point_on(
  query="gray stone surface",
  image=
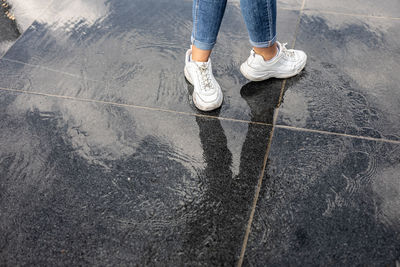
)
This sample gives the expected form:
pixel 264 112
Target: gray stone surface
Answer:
pixel 104 160
pixel 95 184
pixel 327 201
pixel 351 82
pixel 137 57
pixel 385 8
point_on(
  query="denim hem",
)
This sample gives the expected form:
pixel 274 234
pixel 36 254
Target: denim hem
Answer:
pixel 263 44
pixel 202 45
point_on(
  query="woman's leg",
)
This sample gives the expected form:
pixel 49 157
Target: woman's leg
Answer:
pixel 268 58
pixel 260 19
pixel 207 17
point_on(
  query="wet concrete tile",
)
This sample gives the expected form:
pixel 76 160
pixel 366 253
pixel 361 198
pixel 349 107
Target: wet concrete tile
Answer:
pixel 387 8
pixel 141 59
pixel 350 84
pixel 20 76
pixel 327 201
pixel 93 184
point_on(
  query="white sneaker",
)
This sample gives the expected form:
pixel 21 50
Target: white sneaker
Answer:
pixel 207 94
pixel 287 63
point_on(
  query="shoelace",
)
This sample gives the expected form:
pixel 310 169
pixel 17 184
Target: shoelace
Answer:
pixel 205 77
pixel 286 52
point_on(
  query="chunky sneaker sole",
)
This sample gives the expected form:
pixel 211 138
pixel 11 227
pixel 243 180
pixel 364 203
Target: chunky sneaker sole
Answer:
pixel 256 76
pixel 204 102
pixel 286 64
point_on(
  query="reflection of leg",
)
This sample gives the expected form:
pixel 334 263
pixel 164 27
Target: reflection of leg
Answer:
pixel 251 148
pixel 212 223
pixel 215 149
pixel 261 103
pixel 262 99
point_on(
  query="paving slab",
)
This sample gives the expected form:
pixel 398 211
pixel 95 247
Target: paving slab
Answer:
pixel 104 159
pixel 386 8
pixel 93 184
pixel 327 201
pixel 139 58
pixel 351 81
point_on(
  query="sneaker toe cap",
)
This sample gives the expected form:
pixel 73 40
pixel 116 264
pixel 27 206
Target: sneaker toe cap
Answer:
pixel 209 98
pixel 208 102
pixel 301 59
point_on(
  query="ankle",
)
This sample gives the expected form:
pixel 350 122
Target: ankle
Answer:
pixel 267 52
pixel 200 55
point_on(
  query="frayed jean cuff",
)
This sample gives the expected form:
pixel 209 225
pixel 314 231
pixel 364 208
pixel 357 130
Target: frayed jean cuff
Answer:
pixel 263 44
pixel 202 45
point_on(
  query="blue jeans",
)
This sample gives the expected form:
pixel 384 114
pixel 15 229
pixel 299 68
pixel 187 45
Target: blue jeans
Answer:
pixel 259 16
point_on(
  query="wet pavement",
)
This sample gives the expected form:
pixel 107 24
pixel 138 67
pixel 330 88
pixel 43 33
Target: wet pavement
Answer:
pixel 104 159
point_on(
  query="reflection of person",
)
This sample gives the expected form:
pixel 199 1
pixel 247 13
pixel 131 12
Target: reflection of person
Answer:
pixel 222 207
pixel 267 59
